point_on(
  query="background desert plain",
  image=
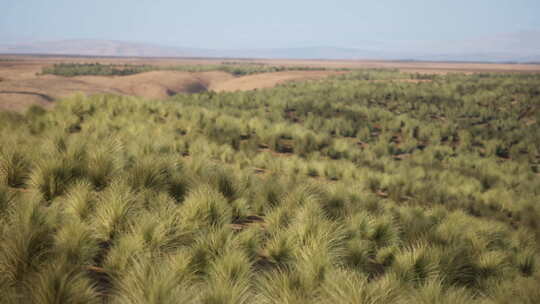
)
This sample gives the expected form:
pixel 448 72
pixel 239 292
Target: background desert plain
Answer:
pixel 22 84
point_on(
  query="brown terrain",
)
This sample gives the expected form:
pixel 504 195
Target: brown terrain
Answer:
pixel 21 86
pixel 267 80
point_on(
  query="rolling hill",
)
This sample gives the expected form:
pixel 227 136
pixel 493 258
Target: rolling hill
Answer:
pixel 510 47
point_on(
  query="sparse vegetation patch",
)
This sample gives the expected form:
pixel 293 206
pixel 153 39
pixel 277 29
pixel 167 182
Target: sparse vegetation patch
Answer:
pixel 234 68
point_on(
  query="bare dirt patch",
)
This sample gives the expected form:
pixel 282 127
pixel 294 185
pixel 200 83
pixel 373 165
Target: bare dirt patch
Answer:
pixel 154 85
pixel 157 84
pixel 21 101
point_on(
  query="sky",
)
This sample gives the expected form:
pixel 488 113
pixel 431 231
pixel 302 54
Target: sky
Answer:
pixel 236 24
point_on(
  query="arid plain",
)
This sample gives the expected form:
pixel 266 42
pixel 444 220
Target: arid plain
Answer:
pixel 22 85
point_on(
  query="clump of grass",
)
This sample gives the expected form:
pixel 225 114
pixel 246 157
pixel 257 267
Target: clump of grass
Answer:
pixel 7 199
pixel 103 165
pixel 416 264
pixel 209 246
pixel 14 168
pixel 434 291
pixel 80 201
pixel 250 240
pixel 458 266
pixel 350 287
pixel 335 204
pixel 520 290
pixel 205 206
pixel 223 180
pixel 526 262
pixel 162 231
pixel 121 255
pixel 385 232
pixel 75 244
pixel 492 264
pixel 282 286
pixel 358 255
pixel 52 177
pixel 60 284
pixel 280 249
pixel 168 281
pixel 179 184
pixel 148 174
pixel 27 241
pixel 241 209
pixel 268 194
pixel 114 209
pixel 230 279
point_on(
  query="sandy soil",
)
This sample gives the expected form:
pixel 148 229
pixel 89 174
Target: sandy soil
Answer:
pixel 21 85
pixel 158 84
pixel 20 89
pixel 18 101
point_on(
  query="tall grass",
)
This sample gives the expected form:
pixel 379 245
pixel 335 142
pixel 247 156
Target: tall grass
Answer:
pixel 345 190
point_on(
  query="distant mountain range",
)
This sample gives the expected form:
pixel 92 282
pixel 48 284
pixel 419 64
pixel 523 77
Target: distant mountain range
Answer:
pixel 514 47
pixel 95 48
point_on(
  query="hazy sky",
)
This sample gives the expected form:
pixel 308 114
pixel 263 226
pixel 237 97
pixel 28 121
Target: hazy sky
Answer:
pixel 259 24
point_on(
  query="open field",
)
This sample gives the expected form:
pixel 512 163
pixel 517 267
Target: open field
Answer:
pixel 372 186
pixel 20 84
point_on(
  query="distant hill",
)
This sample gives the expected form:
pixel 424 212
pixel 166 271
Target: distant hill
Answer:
pixel 513 47
pixel 96 48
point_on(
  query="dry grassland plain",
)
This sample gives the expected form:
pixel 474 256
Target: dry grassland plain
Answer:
pixel 21 84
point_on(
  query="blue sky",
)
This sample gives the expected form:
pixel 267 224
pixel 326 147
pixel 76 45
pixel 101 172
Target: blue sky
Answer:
pixel 263 24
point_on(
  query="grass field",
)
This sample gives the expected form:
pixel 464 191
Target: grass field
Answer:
pixel 368 187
